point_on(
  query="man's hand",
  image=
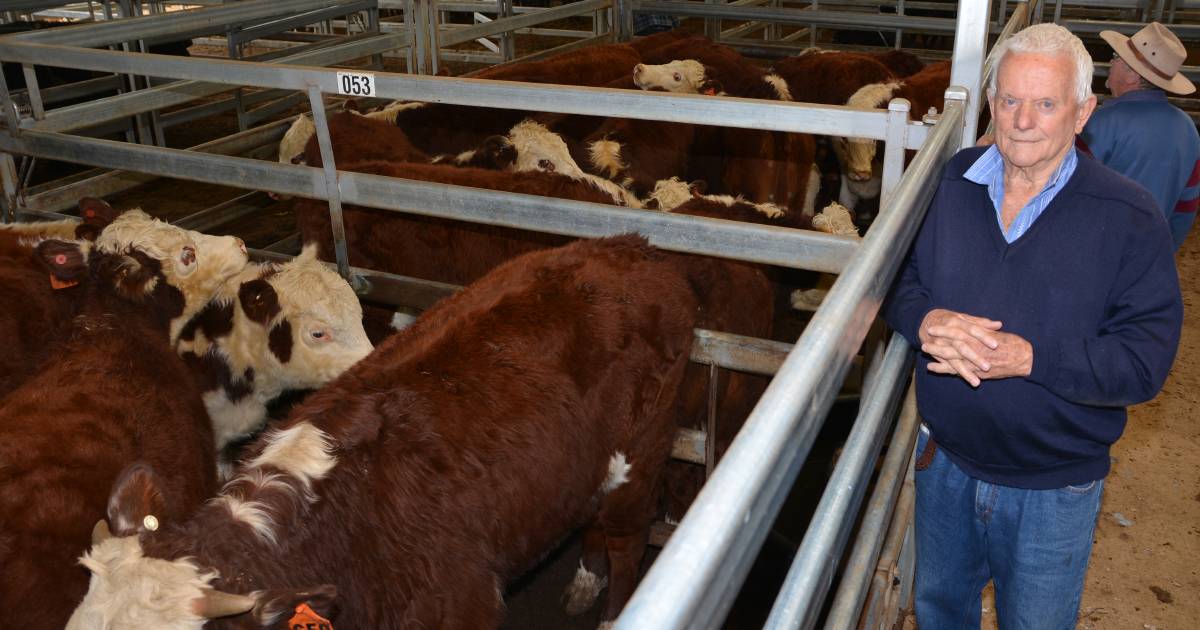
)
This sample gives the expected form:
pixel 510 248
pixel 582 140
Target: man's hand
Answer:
pixel 1012 358
pixel 973 347
pixel 958 342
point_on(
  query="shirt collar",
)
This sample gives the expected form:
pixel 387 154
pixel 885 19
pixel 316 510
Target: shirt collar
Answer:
pixel 990 166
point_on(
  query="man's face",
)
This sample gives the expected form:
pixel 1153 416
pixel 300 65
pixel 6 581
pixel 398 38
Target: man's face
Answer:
pixel 1035 110
pixel 1121 78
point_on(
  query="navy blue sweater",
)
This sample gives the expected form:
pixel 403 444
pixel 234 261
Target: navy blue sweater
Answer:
pixel 1092 286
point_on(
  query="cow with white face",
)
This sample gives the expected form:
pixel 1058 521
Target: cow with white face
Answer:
pixel 271 328
pixel 682 76
pixel 539 149
pixel 194 263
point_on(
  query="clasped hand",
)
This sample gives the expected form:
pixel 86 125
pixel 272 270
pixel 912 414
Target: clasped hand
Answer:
pixel 973 347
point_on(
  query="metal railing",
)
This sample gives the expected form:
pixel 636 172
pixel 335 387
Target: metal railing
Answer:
pixel 695 578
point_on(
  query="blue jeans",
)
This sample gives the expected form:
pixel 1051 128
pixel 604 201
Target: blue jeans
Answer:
pixel 1034 544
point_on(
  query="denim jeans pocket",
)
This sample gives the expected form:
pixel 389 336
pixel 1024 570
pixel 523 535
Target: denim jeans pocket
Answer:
pixel 1083 488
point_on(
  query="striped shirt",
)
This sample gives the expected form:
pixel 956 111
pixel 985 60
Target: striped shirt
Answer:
pixel 988 170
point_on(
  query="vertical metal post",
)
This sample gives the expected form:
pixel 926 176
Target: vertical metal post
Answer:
pixel 508 38
pixel 712 26
pixel 35 94
pixel 8 181
pixel 412 26
pixel 601 23
pixel 970 44
pixel 433 38
pixel 331 182
pixel 893 149
pixel 812 29
pixel 234 52
pixel 8 167
pixel 373 28
pixel 710 439
pixel 900 31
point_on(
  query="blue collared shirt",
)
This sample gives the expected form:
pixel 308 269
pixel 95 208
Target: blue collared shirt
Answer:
pixel 989 170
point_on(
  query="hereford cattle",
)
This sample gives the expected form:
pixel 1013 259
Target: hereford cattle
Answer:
pixel 271 328
pixel 114 392
pixel 593 66
pixel 451 460
pixel 924 90
pixel 830 77
pixel 35 307
pixel 434 248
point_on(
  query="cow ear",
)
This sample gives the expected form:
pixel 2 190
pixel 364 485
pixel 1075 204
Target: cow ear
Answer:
pixel 698 187
pixel 309 251
pixel 259 301
pixel 652 203
pixel 66 262
pixel 276 605
pixel 351 105
pixel 711 87
pixel 503 153
pixel 96 215
pixel 136 501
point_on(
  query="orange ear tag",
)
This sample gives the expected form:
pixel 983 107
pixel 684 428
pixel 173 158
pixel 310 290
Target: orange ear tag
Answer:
pixel 55 283
pixel 307 619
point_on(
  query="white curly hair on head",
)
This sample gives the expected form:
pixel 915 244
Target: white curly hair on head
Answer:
pixel 1048 39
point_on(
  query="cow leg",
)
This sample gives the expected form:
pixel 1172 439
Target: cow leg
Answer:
pixel 592 575
pixel 625 554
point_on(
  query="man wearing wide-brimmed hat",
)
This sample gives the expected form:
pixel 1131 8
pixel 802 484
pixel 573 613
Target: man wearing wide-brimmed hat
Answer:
pixel 1142 136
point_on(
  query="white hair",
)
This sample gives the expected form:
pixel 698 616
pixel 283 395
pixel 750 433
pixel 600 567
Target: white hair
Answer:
pixel 1048 39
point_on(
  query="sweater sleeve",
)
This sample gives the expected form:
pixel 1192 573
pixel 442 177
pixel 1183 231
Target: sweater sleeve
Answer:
pixel 1127 361
pixel 1185 209
pixel 909 301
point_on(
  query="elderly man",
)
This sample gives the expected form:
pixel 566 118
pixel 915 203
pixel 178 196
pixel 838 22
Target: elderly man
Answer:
pixel 1139 134
pixel 1042 292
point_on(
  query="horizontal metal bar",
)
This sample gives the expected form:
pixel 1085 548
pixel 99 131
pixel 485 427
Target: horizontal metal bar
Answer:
pixel 104 184
pixel 738 352
pixel 294 21
pixel 795 16
pixel 694 580
pixel 1093 27
pixel 691 108
pixel 225 212
pixel 712 237
pixel 209 19
pixel 79 89
pixel 803 592
pixel 74 117
pixel 489 29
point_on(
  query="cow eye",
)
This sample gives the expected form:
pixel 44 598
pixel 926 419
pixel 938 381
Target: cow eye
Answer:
pixel 545 165
pixel 677 76
pixel 318 334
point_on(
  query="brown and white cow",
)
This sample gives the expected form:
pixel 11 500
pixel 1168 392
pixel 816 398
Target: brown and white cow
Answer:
pixel 271 328
pixel 35 307
pixel 113 392
pixel 924 90
pixel 447 463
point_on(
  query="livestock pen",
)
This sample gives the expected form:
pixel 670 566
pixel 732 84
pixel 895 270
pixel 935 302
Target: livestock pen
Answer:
pixel 702 566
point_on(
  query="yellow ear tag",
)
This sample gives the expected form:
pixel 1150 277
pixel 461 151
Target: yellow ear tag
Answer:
pixel 307 619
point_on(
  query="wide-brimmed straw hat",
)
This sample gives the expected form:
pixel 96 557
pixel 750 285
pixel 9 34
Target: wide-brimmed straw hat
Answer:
pixel 1156 54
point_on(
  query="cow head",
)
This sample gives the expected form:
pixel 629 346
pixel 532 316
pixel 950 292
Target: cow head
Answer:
pixel 539 149
pixel 194 263
pixel 686 76
pixel 130 589
pixel 307 322
pixel 857 155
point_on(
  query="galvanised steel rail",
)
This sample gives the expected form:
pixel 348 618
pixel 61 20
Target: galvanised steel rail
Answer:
pixel 811 574
pixel 694 580
pixel 712 237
